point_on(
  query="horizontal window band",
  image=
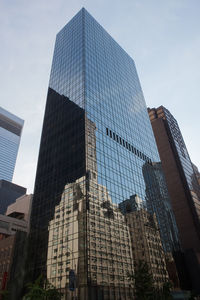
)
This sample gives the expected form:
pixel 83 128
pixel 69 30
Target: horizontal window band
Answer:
pixel 127 145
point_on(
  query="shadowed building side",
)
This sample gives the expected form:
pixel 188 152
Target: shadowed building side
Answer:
pixel 181 183
pixel 61 161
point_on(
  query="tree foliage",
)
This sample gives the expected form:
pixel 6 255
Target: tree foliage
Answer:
pixel 143 281
pixel 144 284
pixel 41 289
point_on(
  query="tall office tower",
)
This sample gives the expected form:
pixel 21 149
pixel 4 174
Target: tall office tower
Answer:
pixel 96 138
pixel 182 186
pixel 10 134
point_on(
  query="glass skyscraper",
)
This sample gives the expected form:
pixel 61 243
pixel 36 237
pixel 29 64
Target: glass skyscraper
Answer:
pixel 10 134
pixel 182 185
pixel 96 139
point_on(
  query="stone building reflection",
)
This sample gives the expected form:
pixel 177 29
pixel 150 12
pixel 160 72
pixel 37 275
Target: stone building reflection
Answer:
pixel 158 202
pixel 95 242
pixel 89 235
pixel 145 238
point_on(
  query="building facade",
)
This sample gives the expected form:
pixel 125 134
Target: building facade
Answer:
pixel 182 185
pixel 145 238
pixel 104 237
pixel 14 228
pixel 21 209
pixel 158 202
pixel 12 231
pixel 9 192
pixel 10 135
pixel 95 141
pixel 196 172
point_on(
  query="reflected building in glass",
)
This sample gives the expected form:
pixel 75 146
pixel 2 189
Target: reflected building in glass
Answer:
pixel 96 138
pixel 182 185
pixel 158 202
pixel 145 238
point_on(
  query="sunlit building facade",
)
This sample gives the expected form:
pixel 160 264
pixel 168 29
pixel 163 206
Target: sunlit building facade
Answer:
pixel 95 141
pixel 96 243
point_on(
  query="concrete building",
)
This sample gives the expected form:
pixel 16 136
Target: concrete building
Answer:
pixel 9 192
pixel 9 225
pixel 109 252
pixel 10 135
pixel 11 231
pixel 14 228
pixel 6 258
pixel 182 186
pixel 145 238
pixel 21 209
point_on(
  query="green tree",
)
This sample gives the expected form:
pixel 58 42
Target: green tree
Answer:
pixel 143 281
pixel 41 289
pixel 52 293
pixel 144 284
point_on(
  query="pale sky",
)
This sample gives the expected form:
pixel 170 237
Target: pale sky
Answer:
pixel 162 36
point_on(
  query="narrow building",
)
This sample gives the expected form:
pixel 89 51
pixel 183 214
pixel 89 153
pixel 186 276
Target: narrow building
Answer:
pixel 182 185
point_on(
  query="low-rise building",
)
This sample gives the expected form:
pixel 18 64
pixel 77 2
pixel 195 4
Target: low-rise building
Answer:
pixel 14 228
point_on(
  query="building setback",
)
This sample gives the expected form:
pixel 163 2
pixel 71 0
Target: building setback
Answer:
pixel 9 192
pixel 96 138
pixel 182 185
pixel 21 208
pixel 10 135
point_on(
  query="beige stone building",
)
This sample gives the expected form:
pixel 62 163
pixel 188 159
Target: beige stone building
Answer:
pixel 145 239
pixel 95 243
pixel 21 209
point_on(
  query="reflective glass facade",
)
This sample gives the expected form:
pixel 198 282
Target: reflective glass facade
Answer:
pixel 185 163
pixel 183 187
pixel 10 134
pixel 96 139
pixel 180 175
pixel 158 202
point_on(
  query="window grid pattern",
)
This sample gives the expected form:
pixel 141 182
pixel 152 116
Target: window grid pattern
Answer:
pixel 83 175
